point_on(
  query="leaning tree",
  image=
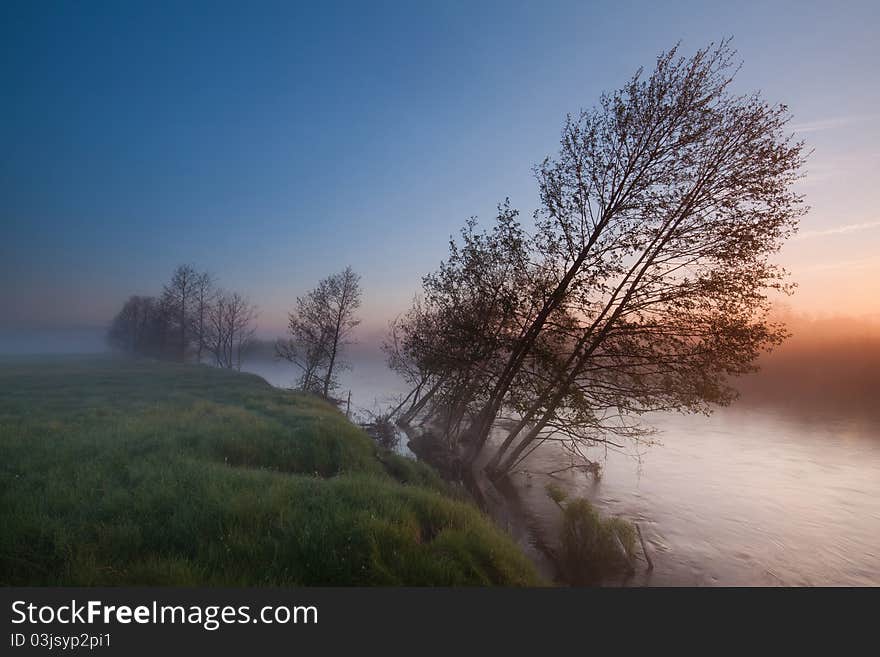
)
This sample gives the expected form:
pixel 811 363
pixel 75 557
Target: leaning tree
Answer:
pixel 648 278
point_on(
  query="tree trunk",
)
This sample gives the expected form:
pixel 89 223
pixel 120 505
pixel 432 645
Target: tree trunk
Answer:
pixel 329 374
pixel 412 392
pixel 490 410
pixel 407 417
pixel 579 360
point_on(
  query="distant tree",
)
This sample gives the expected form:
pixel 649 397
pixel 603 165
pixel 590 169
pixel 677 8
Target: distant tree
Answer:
pixel 179 296
pixel 144 327
pixel 230 328
pixel 344 298
pixel 204 295
pixel 163 333
pixel 190 314
pixel 320 329
pixel 308 344
pixel 131 329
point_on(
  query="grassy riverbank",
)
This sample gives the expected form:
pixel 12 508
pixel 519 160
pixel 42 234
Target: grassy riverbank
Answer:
pixel 120 472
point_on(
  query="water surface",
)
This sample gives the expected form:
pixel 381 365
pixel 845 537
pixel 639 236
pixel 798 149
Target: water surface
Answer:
pixel 748 496
pixel 753 495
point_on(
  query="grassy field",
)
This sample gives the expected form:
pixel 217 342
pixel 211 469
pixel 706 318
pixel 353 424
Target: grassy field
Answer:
pixel 116 472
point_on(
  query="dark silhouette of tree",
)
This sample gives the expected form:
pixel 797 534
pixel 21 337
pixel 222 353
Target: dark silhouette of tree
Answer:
pixel 131 329
pixel 144 327
pixel 179 296
pixel 204 295
pixel 191 312
pixel 343 295
pixel 308 344
pixel 320 329
pixel 230 328
pixel 645 286
pixel 404 355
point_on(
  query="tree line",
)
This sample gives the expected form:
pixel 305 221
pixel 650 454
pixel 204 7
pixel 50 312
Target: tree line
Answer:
pixel 192 320
pixel 644 285
pixel 195 321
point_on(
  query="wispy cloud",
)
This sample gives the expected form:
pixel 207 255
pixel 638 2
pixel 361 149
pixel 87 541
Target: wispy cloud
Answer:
pixel 838 230
pixel 830 123
pixel 857 264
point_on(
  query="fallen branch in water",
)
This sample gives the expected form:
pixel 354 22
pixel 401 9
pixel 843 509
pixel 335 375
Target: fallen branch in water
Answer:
pixel 624 553
pixel 644 548
pixel 590 467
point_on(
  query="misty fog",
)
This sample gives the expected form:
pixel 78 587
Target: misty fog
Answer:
pixel 826 363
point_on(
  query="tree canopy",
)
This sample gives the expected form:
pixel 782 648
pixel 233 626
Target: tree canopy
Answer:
pixel 644 285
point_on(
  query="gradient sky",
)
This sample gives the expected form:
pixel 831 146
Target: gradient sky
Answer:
pixel 272 145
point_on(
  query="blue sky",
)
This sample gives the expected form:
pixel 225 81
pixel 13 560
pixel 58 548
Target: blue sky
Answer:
pixel 272 143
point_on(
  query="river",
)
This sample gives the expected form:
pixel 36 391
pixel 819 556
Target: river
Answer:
pixel 752 495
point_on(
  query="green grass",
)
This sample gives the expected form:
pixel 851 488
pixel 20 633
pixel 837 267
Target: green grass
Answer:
pixel 590 546
pixel 120 472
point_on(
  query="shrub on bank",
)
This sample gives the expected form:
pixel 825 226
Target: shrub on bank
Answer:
pixel 591 547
